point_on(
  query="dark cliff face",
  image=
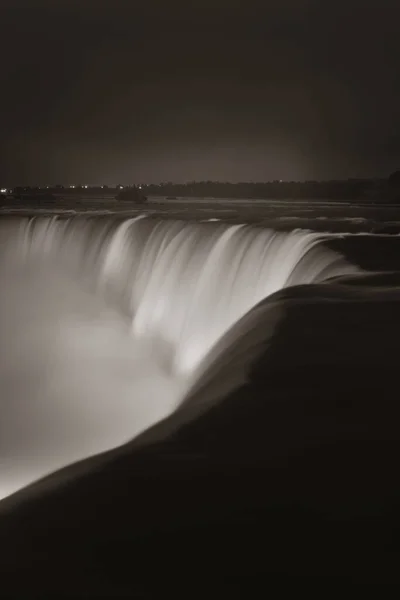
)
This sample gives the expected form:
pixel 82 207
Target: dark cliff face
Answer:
pixel 132 195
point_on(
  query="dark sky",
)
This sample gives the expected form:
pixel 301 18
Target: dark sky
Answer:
pixel 112 91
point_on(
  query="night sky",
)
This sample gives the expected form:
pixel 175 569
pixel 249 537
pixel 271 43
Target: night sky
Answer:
pixel 148 91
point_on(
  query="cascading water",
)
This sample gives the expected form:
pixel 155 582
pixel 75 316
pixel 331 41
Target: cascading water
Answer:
pixel 106 322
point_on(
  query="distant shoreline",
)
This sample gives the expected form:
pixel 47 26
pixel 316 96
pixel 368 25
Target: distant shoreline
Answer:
pixel 350 190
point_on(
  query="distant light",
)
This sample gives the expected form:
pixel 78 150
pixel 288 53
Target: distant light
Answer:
pixel 86 187
pixel 140 187
pixel 71 186
pixel 3 190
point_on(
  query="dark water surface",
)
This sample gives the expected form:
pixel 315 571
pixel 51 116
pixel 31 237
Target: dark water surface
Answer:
pixel 317 215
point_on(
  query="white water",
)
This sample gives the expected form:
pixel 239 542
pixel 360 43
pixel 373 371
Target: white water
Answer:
pixel 105 324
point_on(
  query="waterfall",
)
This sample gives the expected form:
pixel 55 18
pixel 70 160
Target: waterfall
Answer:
pixel 107 321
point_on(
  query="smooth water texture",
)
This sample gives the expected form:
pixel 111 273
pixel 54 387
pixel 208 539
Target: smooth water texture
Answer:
pixel 105 324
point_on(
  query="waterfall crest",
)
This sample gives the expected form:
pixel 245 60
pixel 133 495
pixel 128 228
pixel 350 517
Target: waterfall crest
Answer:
pixel 108 321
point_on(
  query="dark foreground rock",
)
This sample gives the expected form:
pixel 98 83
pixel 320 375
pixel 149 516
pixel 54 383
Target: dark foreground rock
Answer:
pixel 292 480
